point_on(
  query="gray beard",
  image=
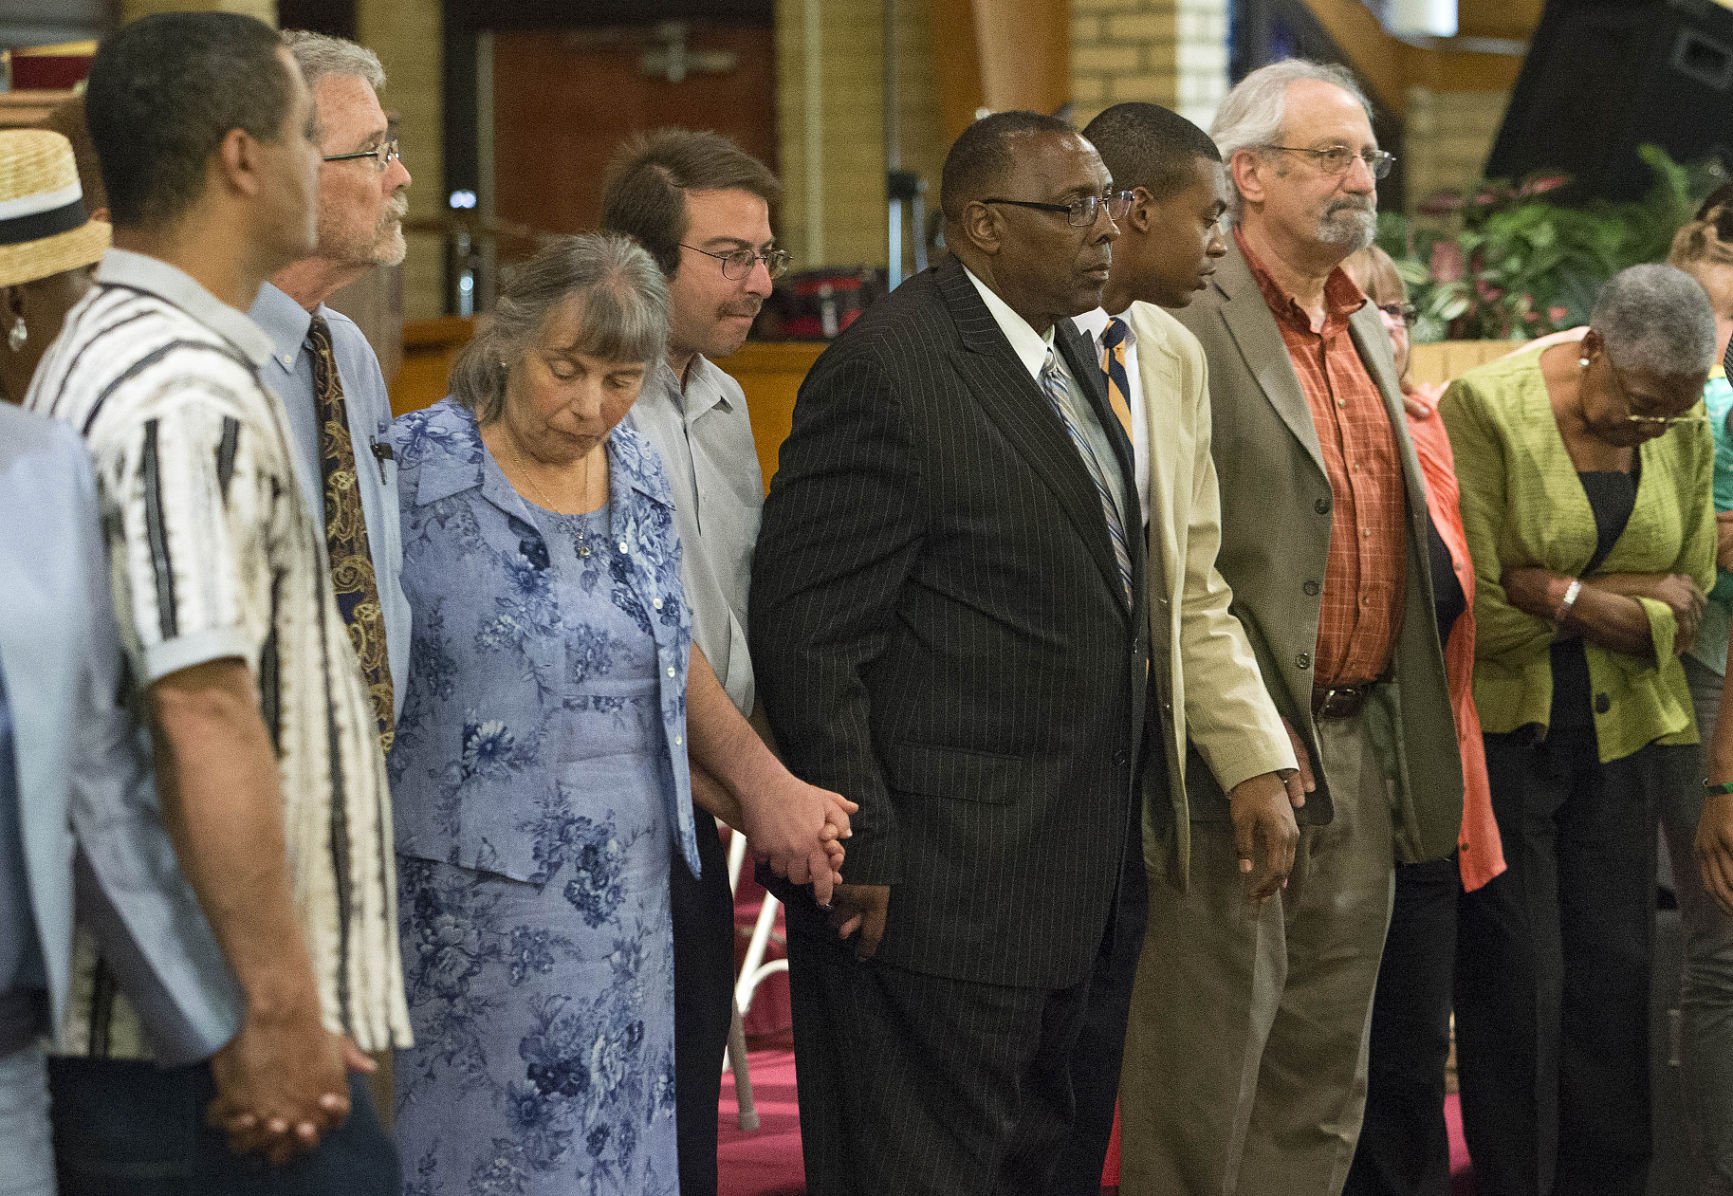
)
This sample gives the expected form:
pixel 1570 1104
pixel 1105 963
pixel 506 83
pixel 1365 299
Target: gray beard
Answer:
pixel 1352 229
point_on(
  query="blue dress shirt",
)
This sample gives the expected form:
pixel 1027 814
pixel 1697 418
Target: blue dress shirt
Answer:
pixel 88 810
pixel 289 374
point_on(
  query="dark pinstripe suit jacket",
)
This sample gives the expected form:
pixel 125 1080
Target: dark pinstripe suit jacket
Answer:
pixel 939 633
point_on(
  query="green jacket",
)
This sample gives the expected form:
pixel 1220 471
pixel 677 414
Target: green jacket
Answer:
pixel 1523 504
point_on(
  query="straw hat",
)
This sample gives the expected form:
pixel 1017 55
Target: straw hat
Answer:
pixel 44 229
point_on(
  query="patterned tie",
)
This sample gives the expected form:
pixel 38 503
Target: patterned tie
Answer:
pixel 346 530
pixel 1113 365
pixel 1059 394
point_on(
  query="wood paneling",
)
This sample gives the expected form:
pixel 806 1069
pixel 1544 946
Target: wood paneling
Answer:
pixel 985 60
pixel 564 102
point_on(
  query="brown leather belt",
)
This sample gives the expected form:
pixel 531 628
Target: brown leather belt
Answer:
pixel 1340 701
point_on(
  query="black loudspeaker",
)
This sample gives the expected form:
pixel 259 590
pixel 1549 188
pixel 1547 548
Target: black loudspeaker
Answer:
pixel 1603 77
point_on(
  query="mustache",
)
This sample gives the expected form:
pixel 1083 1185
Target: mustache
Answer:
pixel 1353 203
pixel 396 208
pixel 749 310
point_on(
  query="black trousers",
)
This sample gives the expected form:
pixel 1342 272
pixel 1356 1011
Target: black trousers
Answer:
pixel 1100 1049
pixel 1552 999
pixel 924 1086
pixel 703 911
pixel 1403 1148
pixel 129 1128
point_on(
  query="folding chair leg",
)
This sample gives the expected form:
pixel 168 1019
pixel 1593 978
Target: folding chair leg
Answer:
pixel 734 1059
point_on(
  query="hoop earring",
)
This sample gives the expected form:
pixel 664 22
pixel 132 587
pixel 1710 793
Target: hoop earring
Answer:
pixel 17 335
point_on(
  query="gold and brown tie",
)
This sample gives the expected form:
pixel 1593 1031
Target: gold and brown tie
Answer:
pixel 346 530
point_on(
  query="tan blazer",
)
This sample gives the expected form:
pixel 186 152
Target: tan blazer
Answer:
pixel 1211 692
pixel 1276 504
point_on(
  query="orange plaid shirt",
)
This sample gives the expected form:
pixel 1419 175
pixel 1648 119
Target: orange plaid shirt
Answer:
pixel 1360 612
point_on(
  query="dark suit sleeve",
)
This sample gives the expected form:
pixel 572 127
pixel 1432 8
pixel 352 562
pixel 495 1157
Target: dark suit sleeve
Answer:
pixel 841 533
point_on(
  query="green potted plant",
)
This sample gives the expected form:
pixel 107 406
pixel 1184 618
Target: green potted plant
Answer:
pixel 1504 262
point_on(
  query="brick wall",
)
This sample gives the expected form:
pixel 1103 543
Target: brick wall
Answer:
pixel 264 10
pixel 1169 52
pixel 1447 139
pixel 408 37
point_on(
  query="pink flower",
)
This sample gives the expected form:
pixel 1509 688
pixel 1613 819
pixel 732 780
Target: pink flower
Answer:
pixel 1442 203
pixel 1446 261
pixel 1557 313
pixel 1541 184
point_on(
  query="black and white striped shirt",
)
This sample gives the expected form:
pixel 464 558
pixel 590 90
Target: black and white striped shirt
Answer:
pixel 214 556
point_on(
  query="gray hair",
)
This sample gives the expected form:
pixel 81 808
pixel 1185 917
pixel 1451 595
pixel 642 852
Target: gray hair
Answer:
pixel 625 309
pixel 1251 115
pixel 1656 319
pixel 320 54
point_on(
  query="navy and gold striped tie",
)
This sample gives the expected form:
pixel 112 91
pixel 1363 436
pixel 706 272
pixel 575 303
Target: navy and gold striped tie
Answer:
pixel 1113 365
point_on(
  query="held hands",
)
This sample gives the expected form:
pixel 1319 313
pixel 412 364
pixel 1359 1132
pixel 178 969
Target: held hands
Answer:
pixel 797 829
pixel 281 1083
pixel 1262 811
pixel 1715 848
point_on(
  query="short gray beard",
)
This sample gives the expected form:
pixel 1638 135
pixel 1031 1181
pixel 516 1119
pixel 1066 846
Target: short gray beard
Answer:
pixel 1348 227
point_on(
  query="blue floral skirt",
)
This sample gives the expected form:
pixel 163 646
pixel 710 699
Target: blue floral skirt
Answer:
pixel 544 1014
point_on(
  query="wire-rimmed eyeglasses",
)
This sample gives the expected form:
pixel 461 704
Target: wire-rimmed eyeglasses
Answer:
pixel 738 263
pixel 383 155
pixel 1336 159
pixel 1082 211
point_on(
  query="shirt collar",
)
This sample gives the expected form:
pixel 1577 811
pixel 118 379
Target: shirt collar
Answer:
pixel 1341 297
pixel 1093 323
pixel 703 388
pixel 1030 346
pixel 141 272
pixel 284 321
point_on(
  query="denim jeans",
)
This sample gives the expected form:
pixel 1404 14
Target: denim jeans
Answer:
pixel 128 1128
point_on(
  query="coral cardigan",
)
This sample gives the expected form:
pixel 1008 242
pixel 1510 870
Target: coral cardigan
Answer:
pixel 1480 853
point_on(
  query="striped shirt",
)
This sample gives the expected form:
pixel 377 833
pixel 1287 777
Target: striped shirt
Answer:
pixel 215 557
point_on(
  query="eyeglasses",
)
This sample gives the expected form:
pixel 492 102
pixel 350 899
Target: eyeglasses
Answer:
pixel 1082 211
pixel 738 263
pixel 383 155
pixel 1338 158
pixel 1406 312
pixel 1662 422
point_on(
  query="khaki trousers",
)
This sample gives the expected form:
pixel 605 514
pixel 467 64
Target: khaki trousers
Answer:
pixel 1245 1059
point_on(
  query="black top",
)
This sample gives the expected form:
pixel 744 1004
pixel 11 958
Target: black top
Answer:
pixel 1612 495
pixel 1448 600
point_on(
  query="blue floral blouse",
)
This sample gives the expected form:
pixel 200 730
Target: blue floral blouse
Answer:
pixel 482 807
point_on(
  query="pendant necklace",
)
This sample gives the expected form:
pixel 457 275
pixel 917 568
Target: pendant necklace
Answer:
pixel 580 535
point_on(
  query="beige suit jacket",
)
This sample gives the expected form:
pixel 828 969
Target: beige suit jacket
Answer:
pixel 1211 693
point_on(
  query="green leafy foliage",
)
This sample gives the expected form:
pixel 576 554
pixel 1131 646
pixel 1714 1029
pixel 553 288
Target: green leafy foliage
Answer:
pixel 1504 262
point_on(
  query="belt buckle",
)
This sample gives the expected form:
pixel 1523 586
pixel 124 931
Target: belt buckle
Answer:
pixel 1339 701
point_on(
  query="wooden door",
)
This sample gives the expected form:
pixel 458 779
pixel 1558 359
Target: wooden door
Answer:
pixel 564 101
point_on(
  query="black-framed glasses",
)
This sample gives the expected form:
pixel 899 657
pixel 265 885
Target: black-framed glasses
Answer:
pixel 383 155
pixel 1663 422
pixel 738 263
pixel 1336 159
pixel 1081 212
pixel 1406 312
